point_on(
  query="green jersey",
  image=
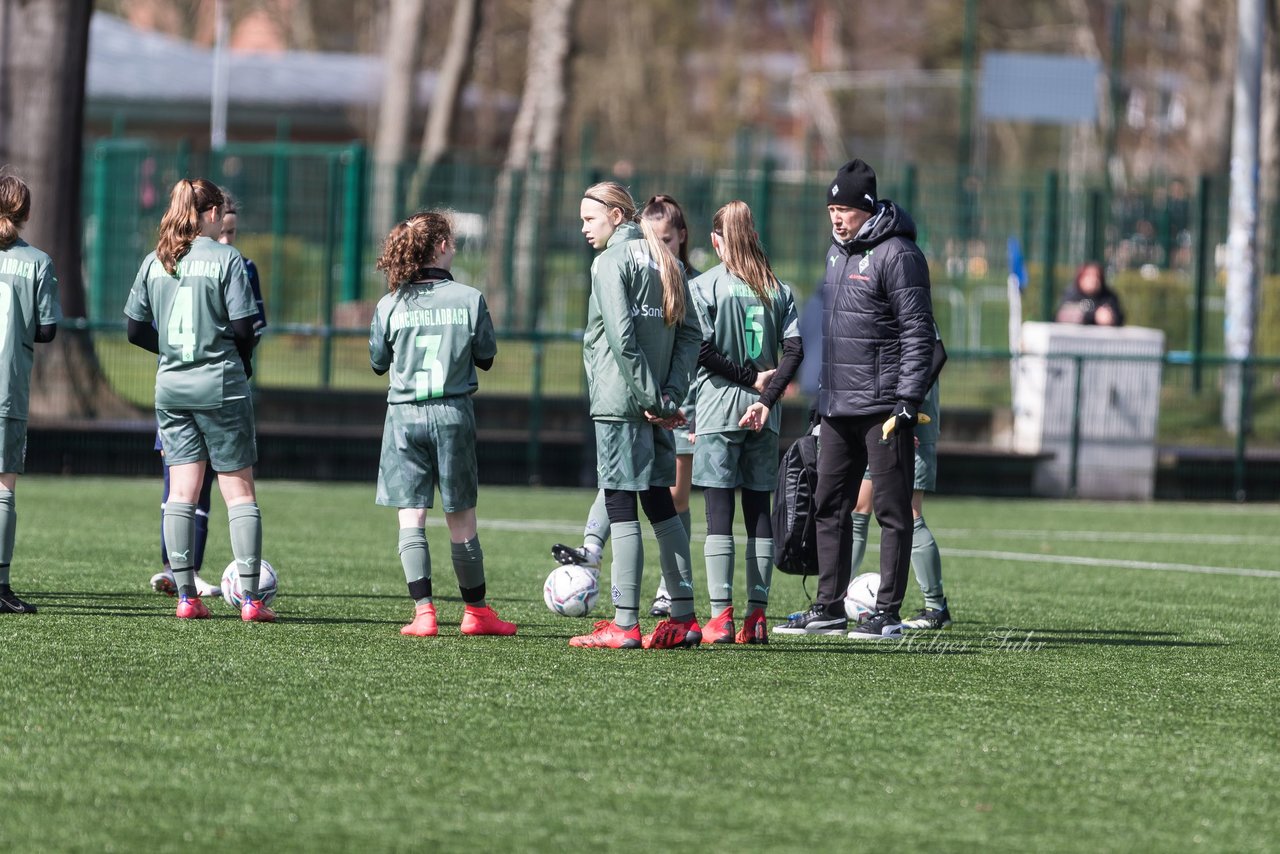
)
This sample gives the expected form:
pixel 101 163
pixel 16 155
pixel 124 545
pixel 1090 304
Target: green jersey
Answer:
pixel 429 334
pixel 192 310
pixel 746 330
pixel 632 357
pixel 28 298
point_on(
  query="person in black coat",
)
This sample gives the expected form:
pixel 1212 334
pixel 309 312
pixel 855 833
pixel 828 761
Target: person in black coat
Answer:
pixel 878 344
pixel 1090 301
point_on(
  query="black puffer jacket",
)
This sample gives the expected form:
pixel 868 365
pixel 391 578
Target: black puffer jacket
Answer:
pixel 877 326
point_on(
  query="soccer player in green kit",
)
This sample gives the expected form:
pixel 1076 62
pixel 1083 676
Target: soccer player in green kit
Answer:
pixel 747 316
pixel 29 313
pixel 196 293
pixel 432 333
pixel 639 349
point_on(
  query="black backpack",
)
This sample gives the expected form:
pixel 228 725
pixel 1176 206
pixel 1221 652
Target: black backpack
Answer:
pixel 795 545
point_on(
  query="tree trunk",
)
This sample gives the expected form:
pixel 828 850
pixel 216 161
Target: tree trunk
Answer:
pixel 400 65
pixel 537 130
pixel 447 94
pixel 44 47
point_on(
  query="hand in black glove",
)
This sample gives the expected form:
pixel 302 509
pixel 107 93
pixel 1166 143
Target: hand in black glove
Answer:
pixel 248 365
pixel 905 413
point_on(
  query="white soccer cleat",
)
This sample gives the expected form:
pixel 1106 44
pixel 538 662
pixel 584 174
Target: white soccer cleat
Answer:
pixel 163 582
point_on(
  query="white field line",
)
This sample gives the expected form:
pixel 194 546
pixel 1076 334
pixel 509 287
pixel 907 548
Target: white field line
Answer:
pixel 1114 536
pixel 573 530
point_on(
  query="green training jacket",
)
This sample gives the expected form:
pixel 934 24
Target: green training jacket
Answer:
pixel 631 356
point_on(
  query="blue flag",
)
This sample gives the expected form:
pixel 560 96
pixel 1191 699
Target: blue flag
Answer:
pixel 1017 264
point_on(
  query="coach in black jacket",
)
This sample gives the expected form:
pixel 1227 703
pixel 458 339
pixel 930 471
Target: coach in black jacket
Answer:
pixel 878 337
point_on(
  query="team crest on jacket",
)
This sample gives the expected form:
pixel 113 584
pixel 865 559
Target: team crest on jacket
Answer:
pixel 864 263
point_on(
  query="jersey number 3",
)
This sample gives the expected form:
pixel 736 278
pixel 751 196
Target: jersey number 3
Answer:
pixel 429 382
pixel 181 333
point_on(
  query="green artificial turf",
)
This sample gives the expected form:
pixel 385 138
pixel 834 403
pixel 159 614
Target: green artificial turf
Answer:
pixel 1103 688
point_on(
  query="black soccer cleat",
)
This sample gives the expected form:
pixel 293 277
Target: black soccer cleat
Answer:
pixel 572 556
pixel 11 604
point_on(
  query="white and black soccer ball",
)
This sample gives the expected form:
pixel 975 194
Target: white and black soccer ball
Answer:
pixel 572 591
pixel 860 598
pixel 267 584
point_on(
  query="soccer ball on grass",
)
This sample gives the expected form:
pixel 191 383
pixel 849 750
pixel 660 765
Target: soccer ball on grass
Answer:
pixel 860 598
pixel 233 596
pixel 572 591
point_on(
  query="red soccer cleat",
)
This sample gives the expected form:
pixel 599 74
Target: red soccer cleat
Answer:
pixel 719 629
pixel 191 608
pixel 609 635
pixel 424 622
pixel 256 611
pixel 755 629
pixel 673 634
pixel 484 621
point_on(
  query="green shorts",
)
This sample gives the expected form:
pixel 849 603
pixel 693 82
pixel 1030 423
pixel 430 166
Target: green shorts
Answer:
pixel 13 446
pixel 742 458
pixel 427 445
pixel 634 455
pixel 926 478
pixel 224 436
pixel 684 447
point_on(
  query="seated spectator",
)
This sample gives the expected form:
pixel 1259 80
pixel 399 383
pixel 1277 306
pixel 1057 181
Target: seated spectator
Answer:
pixel 1090 301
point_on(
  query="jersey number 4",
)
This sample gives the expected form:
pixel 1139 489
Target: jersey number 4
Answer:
pixel 429 382
pixel 181 332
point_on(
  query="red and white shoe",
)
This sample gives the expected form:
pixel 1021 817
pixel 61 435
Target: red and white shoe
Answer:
pixel 609 635
pixel 674 634
pixel 424 622
pixel 256 611
pixel 191 608
pixel 719 629
pixel 755 629
pixel 484 621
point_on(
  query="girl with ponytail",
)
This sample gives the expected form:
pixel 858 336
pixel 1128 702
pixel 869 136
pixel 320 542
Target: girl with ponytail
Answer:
pixel 29 313
pixel 749 318
pixel 192 305
pixel 640 348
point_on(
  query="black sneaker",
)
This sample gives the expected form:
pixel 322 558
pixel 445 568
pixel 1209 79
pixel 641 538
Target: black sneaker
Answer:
pixel 929 619
pixel 11 604
pixel 880 625
pixel 815 621
pixel 574 556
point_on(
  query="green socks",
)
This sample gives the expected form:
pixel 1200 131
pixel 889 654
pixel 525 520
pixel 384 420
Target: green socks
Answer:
pixel 759 573
pixel 245 521
pixel 628 566
pixel 179 536
pixel 926 560
pixel 415 558
pixel 597 530
pixel 468 565
pixel 718 552
pixel 860 522
pixel 687 520
pixel 8 527
pixel 677 566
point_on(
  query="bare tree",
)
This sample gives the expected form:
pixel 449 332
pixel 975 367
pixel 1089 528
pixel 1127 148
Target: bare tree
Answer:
pixel 533 153
pixel 44 47
pixel 463 33
pixel 395 115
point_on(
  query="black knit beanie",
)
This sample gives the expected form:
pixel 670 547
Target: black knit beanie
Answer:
pixel 854 187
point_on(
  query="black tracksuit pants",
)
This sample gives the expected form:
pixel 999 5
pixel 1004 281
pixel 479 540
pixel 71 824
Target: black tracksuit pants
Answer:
pixel 846 448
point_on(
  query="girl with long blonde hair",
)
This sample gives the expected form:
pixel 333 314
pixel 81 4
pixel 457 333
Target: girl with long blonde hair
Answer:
pixel 640 348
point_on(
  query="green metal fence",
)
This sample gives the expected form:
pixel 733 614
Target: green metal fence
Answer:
pixel 305 221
